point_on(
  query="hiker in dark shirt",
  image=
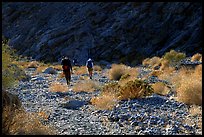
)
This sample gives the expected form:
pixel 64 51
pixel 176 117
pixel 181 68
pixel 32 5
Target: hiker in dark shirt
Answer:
pixel 89 65
pixel 67 69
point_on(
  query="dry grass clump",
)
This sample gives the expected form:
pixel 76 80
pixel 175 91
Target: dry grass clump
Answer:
pixel 189 88
pixel 80 70
pixel 97 68
pixel 116 71
pixel 130 74
pixel 155 73
pixel 167 74
pixel 33 64
pixel 15 121
pixel 190 92
pixel 58 67
pixel 160 88
pixel 198 72
pixel 86 86
pixel 40 69
pixel 196 57
pixel 105 101
pixel 152 62
pixel 58 87
pixel 164 64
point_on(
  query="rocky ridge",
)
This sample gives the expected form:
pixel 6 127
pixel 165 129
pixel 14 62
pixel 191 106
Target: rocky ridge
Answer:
pixel 114 31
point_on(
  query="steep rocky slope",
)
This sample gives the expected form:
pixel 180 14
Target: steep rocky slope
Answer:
pixel 122 32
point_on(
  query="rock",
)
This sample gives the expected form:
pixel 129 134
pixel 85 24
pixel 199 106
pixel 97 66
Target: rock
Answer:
pixel 50 70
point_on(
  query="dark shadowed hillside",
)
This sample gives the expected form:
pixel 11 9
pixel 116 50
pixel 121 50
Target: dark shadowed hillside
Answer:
pixel 115 32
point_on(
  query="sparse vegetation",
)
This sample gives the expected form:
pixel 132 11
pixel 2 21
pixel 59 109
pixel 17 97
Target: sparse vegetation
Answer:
pixel 105 101
pixel 15 121
pixel 174 57
pixel 160 88
pixel 116 71
pixel 86 86
pixel 196 57
pixel 97 68
pixel 58 87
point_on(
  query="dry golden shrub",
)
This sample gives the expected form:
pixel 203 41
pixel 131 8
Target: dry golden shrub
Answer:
pixel 15 121
pixel 198 72
pixel 86 86
pixel 190 90
pixel 80 70
pixel 146 61
pixel 105 101
pixel 58 67
pixel 116 71
pixel 154 61
pixel 97 68
pixel 58 87
pixel 164 64
pixel 160 88
pixel 40 69
pixel 195 110
pixel 33 64
pixel 22 64
pixel 196 57
pixel 155 73
pixel 130 74
pixel 167 74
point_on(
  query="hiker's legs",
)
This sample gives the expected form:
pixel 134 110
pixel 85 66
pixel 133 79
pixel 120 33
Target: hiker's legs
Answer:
pixel 90 74
pixel 67 76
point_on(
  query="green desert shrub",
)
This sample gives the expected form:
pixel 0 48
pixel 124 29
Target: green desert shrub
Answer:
pixel 132 89
pixel 7 71
pixel 174 57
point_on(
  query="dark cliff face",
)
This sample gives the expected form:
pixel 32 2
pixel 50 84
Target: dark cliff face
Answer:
pixel 120 32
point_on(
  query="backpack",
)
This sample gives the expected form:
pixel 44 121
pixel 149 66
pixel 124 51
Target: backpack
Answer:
pixel 89 64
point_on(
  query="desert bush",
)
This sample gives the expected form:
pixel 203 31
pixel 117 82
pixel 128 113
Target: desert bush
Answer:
pixel 160 88
pixel 80 70
pixel 196 57
pixel 97 68
pixel 129 74
pixel 164 64
pixel 135 89
pixel 33 64
pixel 155 73
pixel 145 62
pixel 105 101
pixel 8 78
pixel 15 121
pixel 58 87
pixel 86 86
pixel 58 67
pixel 152 62
pixel 198 72
pixel 132 89
pixel 116 71
pixel 174 57
pixel 190 90
pixel 167 73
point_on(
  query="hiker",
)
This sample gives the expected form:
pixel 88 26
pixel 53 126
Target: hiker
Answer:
pixel 67 68
pixel 89 65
